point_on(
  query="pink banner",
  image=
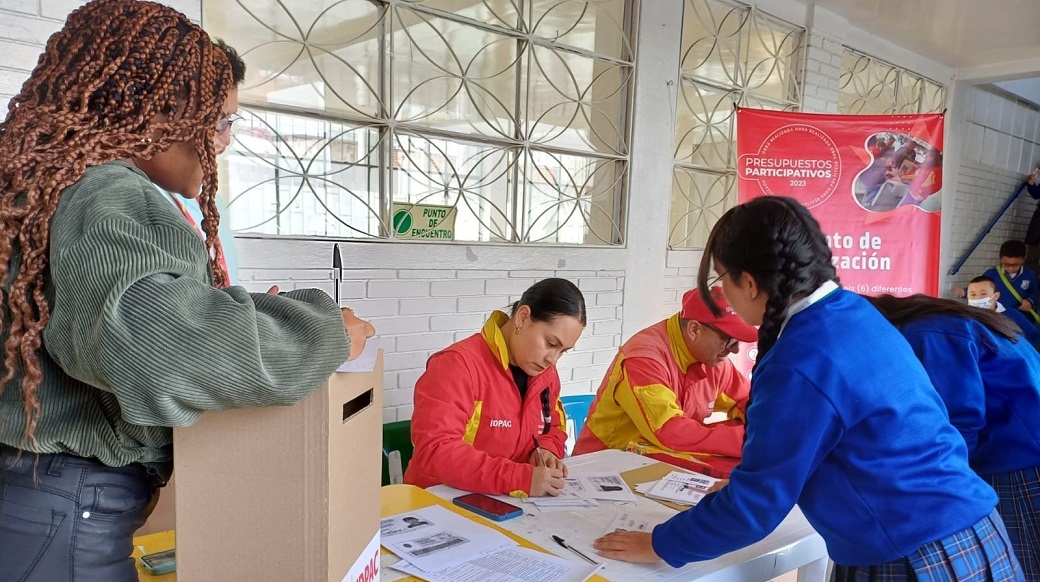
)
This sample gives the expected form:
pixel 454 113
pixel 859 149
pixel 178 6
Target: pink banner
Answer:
pixel 872 181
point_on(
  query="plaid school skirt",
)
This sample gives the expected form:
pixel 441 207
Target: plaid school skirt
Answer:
pixel 1019 507
pixel 981 553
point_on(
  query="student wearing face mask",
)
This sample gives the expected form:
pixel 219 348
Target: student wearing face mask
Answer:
pixel 982 293
pixel 665 382
pixel 1016 283
pixel 484 402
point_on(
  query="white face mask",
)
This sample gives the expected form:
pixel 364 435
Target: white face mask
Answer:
pixel 984 303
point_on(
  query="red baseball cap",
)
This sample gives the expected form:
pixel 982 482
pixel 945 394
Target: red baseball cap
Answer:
pixel 693 308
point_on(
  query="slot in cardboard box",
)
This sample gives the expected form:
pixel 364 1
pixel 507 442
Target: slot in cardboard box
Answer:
pixel 282 494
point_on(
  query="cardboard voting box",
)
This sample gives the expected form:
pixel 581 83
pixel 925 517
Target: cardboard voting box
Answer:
pixel 282 493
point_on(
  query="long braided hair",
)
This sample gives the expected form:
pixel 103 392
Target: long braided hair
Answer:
pixel 122 79
pixel 902 310
pixel 777 242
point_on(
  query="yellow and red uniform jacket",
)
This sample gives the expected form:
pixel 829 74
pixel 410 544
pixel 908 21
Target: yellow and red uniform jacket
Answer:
pixel 656 396
pixel 469 427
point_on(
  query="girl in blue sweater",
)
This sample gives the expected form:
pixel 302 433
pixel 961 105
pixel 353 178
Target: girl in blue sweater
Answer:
pixel 990 382
pixel 843 421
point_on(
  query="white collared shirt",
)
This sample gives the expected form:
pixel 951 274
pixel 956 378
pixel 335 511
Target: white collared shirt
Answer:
pixel 820 292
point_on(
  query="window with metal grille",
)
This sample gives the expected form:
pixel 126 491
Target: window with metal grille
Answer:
pixel 732 55
pixel 512 112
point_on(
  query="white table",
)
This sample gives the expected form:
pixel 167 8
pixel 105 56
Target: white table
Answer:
pixel 793 545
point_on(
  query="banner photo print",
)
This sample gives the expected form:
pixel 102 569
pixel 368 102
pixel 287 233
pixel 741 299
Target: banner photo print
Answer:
pixel 874 182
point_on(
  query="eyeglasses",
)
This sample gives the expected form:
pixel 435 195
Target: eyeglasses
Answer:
pixel 731 342
pixel 716 280
pixel 1015 265
pixel 226 122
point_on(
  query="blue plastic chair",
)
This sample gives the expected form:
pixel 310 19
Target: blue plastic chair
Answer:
pixel 576 407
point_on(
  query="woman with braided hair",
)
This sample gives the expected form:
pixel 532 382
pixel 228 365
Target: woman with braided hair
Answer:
pixel 862 444
pixel 117 322
pixel 989 378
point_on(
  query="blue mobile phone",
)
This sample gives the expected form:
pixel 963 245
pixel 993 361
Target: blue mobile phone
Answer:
pixel 159 563
pixel 488 507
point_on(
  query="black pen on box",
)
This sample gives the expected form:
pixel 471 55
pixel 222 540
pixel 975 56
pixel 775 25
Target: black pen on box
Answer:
pixel 337 271
pixel 560 541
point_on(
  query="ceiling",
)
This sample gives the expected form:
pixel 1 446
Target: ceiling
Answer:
pixel 991 40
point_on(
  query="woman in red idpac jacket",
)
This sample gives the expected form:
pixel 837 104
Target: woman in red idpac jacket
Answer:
pixel 484 402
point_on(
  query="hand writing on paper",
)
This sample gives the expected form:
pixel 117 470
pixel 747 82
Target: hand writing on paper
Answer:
pixel 548 460
pixel 546 481
pixel 627 546
pixel 358 330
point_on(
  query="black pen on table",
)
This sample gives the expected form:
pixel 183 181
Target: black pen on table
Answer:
pixel 563 543
pixel 337 271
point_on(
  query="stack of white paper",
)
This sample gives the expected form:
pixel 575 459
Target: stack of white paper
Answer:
pixel 583 491
pixel 676 487
pixel 440 546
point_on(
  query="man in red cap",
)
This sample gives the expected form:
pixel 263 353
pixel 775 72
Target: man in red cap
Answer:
pixel 666 381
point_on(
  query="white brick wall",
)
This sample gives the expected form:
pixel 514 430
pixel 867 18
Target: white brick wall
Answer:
pixel 1002 132
pixel 999 139
pixel 980 192
pixel 417 313
pixel 822 72
pixel 681 275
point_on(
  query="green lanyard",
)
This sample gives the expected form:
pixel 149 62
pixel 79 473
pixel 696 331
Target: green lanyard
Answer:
pixel 1007 283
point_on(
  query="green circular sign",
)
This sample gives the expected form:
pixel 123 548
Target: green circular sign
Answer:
pixel 402 221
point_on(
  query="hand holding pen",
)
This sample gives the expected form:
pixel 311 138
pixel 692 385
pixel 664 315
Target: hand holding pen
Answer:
pixel 545 479
pixel 542 458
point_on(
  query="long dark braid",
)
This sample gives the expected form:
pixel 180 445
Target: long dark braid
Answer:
pixel 902 310
pixel 122 79
pixel 779 243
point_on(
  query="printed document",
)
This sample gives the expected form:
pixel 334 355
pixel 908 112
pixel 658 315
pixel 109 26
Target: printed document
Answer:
pixel 513 565
pixel 433 538
pixel 678 487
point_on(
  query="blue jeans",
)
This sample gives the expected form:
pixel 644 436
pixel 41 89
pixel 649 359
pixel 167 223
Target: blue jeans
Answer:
pixel 64 518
